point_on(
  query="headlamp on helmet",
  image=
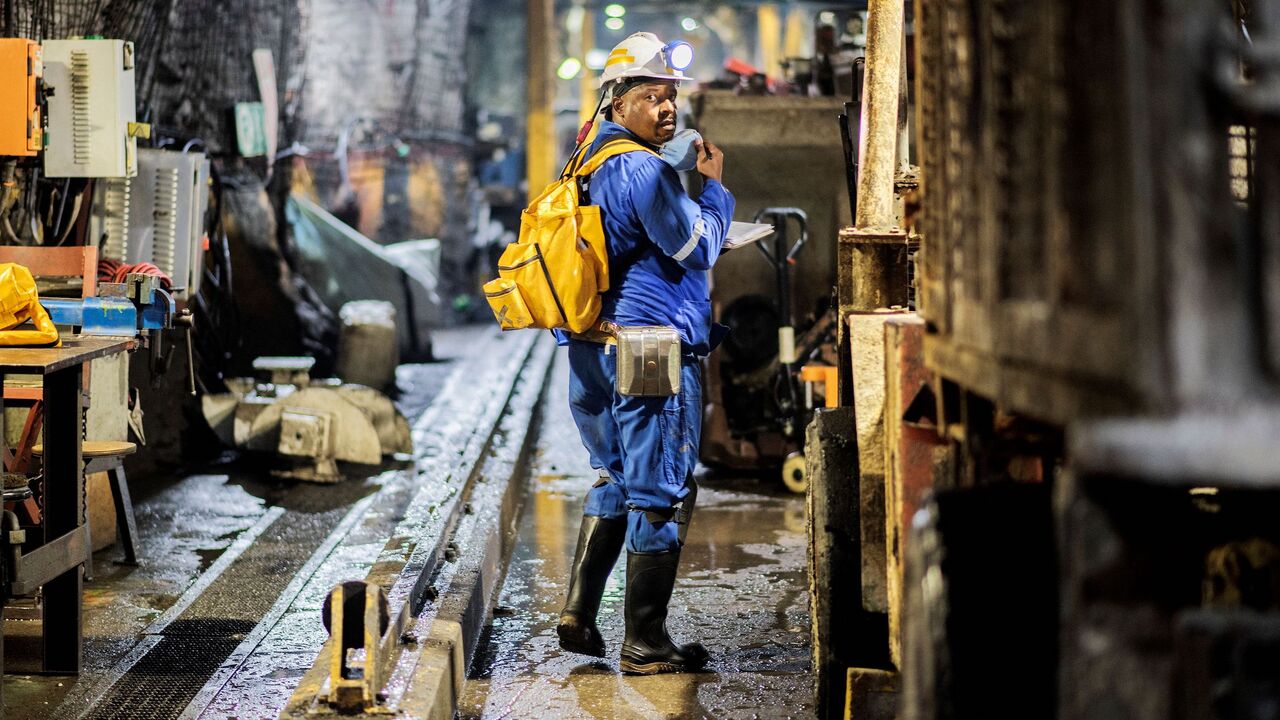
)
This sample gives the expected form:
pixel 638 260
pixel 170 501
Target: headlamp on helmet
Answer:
pixel 643 55
pixel 679 55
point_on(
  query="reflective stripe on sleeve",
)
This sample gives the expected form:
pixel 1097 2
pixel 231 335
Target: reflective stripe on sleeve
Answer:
pixel 688 248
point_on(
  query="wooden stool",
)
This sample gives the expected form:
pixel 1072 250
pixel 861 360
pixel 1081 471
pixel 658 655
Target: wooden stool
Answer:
pixel 108 456
pixel 19 499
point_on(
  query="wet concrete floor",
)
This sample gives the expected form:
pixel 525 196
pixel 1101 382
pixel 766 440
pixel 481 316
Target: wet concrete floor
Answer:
pixel 742 591
pixel 191 527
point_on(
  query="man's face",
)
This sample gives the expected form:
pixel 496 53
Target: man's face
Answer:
pixel 649 111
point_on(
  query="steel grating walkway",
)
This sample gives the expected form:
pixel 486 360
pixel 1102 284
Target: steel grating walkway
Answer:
pixel 164 680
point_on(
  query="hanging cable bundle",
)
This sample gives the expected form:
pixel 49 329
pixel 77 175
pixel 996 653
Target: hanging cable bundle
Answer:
pixel 114 271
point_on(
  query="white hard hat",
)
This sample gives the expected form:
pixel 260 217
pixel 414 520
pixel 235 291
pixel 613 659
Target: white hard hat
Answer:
pixel 643 55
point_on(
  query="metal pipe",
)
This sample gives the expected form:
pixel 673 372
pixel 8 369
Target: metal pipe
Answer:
pixel 878 141
pixel 904 131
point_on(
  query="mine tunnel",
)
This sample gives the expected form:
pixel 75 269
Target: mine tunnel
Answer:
pixel 843 360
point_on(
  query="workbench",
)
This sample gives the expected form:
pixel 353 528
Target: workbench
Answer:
pixel 56 563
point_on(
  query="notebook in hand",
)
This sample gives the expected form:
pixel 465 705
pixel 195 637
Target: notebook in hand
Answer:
pixel 742 234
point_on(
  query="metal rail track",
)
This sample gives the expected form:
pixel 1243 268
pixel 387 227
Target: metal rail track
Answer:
pixel 194 660
pixel 441 566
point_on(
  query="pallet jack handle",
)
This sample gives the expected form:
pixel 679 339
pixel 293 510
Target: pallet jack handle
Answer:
pixel 779 217
pixel 782 257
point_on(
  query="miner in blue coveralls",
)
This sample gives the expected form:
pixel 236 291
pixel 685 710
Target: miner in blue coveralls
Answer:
pixel 661 246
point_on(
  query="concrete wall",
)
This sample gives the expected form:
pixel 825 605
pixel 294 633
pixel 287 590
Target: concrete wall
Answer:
pixel 779 151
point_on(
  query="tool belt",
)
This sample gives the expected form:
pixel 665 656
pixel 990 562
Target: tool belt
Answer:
pixel 648 357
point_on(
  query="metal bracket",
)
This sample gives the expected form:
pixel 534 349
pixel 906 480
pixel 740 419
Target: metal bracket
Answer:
pixel 363 640
pixel 892 236
pixel 48 561
pixel 284 370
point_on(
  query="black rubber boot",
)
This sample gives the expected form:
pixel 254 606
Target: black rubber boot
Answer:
pixel 648 649
pixel 599 543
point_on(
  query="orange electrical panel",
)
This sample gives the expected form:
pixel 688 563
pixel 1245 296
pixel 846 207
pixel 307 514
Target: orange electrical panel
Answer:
pixel 20 67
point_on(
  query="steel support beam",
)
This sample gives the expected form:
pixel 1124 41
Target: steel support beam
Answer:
pixel 588 93
pixel 63 514
pixel 540 144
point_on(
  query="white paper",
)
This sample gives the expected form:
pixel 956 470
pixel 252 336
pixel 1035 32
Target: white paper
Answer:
pixel 742 233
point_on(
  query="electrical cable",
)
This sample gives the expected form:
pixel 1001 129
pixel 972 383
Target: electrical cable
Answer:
pixel 11 236
pixel 75 213
pixel 62 207
pixel 583 133
pixel 115 271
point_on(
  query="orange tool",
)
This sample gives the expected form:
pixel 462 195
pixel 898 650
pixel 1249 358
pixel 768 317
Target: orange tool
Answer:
pixel 826 375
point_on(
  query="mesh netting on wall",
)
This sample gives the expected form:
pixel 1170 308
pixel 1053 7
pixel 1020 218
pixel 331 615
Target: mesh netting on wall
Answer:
pixel 380 78
pixel 194 57
pixel 206 65
pixel 394 64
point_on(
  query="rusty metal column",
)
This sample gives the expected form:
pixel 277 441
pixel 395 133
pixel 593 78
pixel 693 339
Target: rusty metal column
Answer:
pixel 878 144
pixel 540 132
pixel 872 261
pixel 872 268
pixel 871 275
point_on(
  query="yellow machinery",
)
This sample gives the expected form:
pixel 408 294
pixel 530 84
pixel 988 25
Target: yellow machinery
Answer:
pixel 20 69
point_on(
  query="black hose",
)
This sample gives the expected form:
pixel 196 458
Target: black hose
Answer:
pixel 62 208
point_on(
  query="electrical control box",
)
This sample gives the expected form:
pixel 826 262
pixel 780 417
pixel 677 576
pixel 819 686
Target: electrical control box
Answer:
pixel 20 70
pixel 167 201
pixel 109 222
pixel 90 87
pixel 157 216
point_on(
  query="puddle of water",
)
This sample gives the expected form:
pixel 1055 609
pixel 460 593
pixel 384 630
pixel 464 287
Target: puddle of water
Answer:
pixel 742 592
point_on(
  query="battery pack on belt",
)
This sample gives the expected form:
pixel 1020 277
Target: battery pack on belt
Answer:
pixel 648 361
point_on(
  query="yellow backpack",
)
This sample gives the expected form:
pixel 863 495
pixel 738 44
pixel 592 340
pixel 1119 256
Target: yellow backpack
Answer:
pixel 20 304
pixel 553 275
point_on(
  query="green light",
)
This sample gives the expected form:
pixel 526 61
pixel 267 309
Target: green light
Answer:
pixel 615 23
pixel 689 24
pixel 569 69
pixel 615 10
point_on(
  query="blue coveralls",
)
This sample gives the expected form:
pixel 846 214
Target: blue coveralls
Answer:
pixel 661 246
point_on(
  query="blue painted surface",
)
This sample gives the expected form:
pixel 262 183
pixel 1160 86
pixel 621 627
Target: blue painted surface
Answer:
pixel 113 316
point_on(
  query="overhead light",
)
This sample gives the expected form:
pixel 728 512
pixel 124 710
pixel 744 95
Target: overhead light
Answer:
pixel 573 18
pixel 614 23
pixel 569 69
pixel 596 58
pixel 679 55
pixel 689 24
pixel 615 10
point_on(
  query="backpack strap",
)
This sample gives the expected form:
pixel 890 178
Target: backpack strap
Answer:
pixel 611 149
pixel 571 167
